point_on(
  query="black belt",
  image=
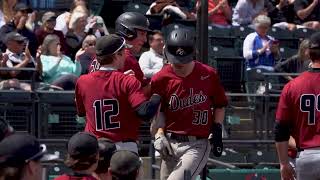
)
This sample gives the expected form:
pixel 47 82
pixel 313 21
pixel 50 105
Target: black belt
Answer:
pixel 183 138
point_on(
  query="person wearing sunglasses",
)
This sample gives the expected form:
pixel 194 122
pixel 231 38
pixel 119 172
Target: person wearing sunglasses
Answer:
pixel 21 156
pixel 19 56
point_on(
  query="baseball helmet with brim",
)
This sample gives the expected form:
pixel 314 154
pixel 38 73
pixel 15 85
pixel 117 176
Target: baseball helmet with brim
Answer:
pixel 179 46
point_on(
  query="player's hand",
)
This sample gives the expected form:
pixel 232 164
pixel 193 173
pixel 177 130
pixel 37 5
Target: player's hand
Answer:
pixel 216 139
pixel 162 145
pixel 287 172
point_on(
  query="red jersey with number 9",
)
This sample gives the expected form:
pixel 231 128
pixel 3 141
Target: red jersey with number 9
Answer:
pixel 299 107
pixel 108 99
pixel 187 101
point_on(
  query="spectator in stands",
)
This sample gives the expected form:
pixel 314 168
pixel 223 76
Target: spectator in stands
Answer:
pixel 125 165
pixel 170 9
pixel 81 6
pixel 261 52
pixel 219 13
pixel 48 24
pixel 308 13
pixel 19 56
pixel 298 63
pixel 58 69
pixel 21 156
pixel 259 49
pixel 152 61
pixel 18 23
pixel 106 150
pixel 282 15
pixel 87 53
pixel 7 10
pixel 246 10
pixel 82 157
pixel 76 32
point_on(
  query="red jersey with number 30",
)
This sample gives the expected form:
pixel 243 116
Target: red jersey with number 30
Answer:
pixel 108 99
pixel 187 101
pixel 299 107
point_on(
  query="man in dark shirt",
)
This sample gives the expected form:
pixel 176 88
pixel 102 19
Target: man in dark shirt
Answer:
pixel 18 24
pixel 308 12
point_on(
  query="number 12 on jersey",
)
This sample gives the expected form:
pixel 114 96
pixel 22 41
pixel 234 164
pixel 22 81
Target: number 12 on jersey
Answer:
pixel 103 120
pixel 310 103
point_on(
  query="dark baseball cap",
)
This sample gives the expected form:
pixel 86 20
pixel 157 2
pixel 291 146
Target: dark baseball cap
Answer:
pixel 21 148
pixel 49 16
pixel 315 41
pixel 14 36
pixel 21 7
pixel 106 150
pixel 82 144
pixel 123 162
pixel 110 44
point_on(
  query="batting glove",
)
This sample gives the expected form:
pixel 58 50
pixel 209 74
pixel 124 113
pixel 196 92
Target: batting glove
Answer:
pixel 216 139
pixel 162 145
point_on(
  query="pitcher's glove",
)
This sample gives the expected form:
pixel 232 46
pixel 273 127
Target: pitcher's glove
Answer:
pixel 162 145
pixel 215 139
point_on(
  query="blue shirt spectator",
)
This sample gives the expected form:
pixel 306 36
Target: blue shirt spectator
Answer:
pixel 259 49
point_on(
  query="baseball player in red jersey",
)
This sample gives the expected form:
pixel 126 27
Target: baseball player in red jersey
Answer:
pixel 297 115
pixel 133 26
pixel 189 91
pixel 113 102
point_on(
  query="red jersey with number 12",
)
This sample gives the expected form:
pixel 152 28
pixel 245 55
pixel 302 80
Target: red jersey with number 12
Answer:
pixel 108 99
pixel 187 101
pixel 299 107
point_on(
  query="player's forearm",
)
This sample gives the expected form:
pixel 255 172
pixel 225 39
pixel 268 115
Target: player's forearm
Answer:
pixel 282 149
pixel 149 108
pixel 219 115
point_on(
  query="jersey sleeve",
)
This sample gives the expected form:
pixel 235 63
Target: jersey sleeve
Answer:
pixel 218 94
pixel 135 92
pixel 283 109
pixel 79 100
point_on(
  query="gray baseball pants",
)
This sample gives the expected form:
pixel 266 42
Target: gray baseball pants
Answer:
pixel 191 156
pixel 308 164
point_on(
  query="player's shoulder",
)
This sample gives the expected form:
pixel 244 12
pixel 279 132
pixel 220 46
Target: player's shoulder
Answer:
pixel 163 73
pixel 123 78
pixel 205 69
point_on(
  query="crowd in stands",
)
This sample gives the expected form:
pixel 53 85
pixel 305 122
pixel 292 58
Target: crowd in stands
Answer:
pixel 61 46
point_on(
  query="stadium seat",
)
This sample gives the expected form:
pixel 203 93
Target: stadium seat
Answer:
pixel 242 31
pixel 279 34
pixel 222 52
pixel 219 32
pixel 303 33
pixel 223 41
pixel 286 52
pixel 136 7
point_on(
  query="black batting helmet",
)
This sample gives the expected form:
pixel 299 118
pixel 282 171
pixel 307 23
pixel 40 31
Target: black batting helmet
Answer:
pixel 128 22
pixel 179 46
